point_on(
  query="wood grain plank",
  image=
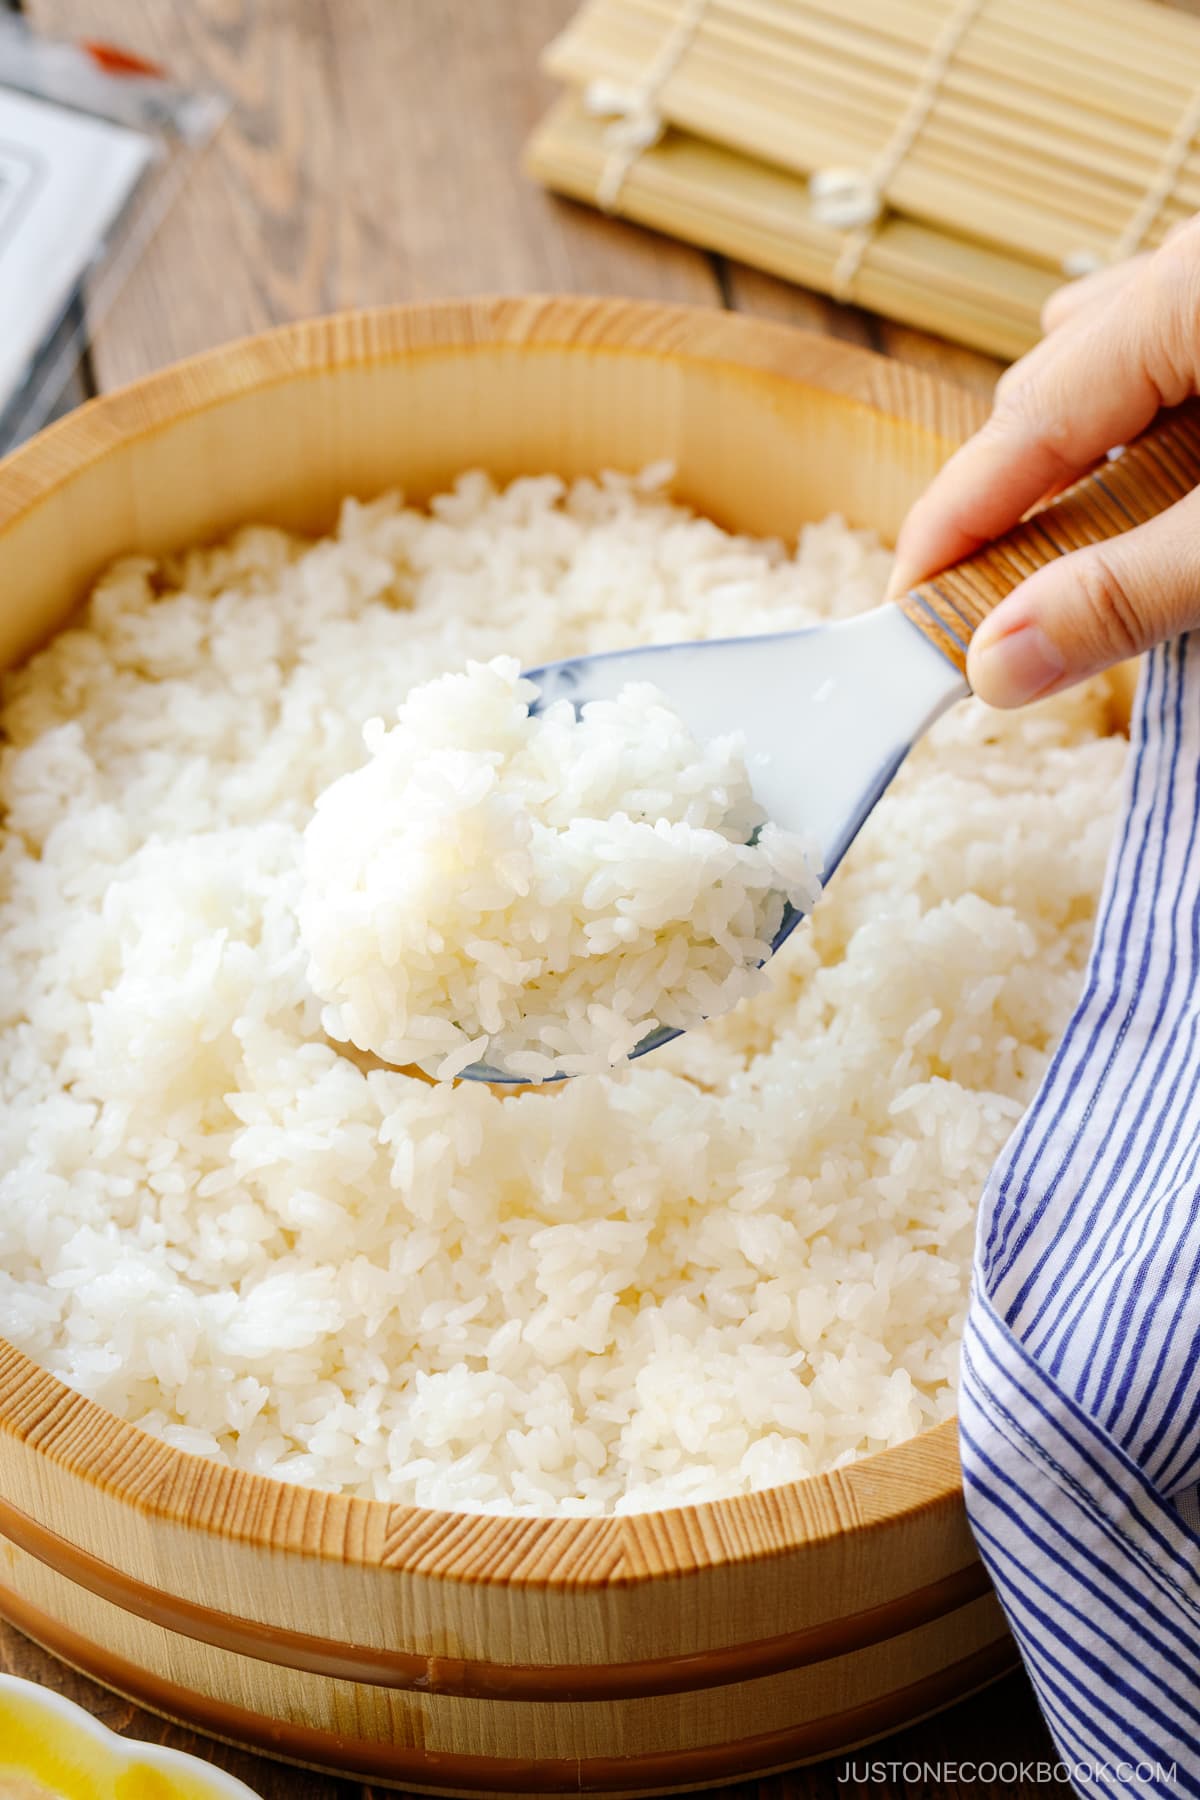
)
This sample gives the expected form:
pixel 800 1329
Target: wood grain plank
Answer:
pixel 750 290
pixel 372 156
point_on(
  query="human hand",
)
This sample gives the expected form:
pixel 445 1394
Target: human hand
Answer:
pixel 1120 345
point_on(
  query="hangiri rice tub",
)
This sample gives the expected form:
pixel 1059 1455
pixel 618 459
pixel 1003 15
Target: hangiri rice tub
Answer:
pixel 739 1261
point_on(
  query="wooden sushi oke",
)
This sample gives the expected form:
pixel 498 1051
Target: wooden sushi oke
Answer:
pixel 451 1653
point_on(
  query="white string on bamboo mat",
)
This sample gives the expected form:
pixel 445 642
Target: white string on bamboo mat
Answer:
pixel 852 199
pixel 637 123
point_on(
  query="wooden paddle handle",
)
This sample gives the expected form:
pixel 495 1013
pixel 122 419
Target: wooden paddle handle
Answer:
pixel 1152 473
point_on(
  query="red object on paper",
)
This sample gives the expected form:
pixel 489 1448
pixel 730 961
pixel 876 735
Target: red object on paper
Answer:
pixel 120 62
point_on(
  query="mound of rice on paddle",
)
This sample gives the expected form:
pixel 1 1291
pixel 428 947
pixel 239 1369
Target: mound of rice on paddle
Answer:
pixel 539 891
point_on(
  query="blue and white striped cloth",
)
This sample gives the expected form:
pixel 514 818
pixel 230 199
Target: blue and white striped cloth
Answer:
pixel 1080 1413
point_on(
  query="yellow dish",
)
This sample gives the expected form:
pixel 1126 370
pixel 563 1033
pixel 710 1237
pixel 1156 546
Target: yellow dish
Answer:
pixel 52 1750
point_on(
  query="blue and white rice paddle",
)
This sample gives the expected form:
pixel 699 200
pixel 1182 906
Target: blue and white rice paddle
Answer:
pixel 829 713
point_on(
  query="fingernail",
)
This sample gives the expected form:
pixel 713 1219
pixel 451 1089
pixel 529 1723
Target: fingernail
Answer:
pixel 1016 668
pixel 902 574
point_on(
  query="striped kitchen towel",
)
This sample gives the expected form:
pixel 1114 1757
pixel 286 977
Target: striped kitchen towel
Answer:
pixel 1080 1412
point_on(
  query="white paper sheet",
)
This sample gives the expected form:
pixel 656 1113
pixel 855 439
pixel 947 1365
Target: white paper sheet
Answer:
pixel 64 179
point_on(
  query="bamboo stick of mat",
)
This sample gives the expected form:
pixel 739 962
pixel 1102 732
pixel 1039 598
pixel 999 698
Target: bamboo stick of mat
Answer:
pixel 713 197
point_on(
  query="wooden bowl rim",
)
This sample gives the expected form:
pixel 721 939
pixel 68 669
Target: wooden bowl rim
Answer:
pixel 359 337
pixel 887 1488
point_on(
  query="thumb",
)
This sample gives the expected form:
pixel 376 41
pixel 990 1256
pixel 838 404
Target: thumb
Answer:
pixel 1091 609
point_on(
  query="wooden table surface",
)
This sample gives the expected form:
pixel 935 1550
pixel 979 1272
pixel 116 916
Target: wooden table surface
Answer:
pixel 372 155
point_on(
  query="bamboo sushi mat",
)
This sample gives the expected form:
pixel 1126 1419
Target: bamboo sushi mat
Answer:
pixel 945 162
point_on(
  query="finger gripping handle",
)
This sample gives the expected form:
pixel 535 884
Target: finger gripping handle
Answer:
pixel 1152 473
